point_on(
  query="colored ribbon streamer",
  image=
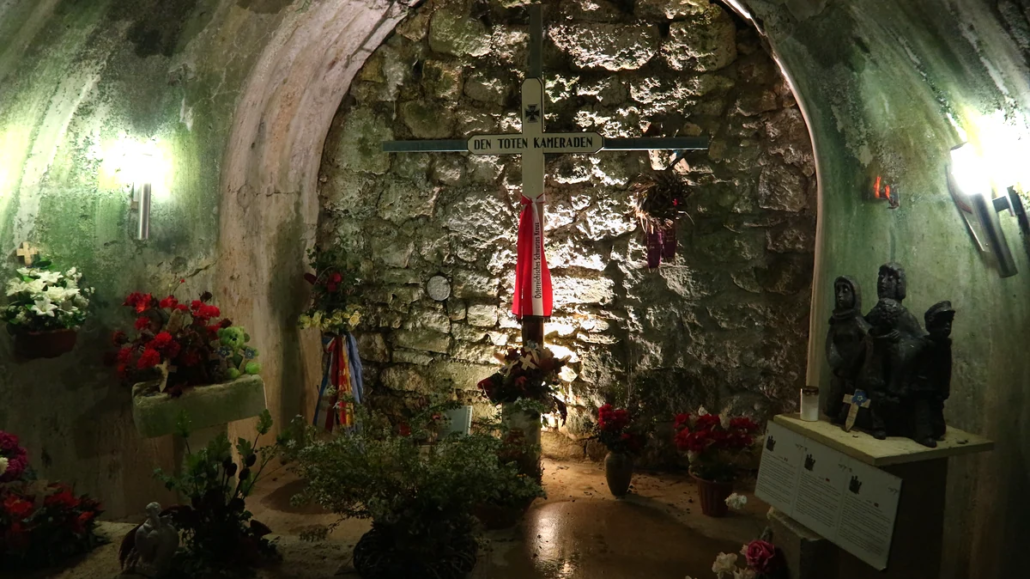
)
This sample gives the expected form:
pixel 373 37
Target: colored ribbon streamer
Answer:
pixel 341 368
pixel 532 278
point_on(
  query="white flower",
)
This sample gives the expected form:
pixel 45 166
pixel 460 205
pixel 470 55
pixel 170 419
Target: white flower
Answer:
pixel 70 272
pixel 49 277
pixel 745 574
pixel 702 412
pixel 43 307
pixel 3 465
pixel 725 563
pixel 59 294
pixel 16 286
pixel 736 502
pixel 35 286
pixel 80 301
pixel 24 271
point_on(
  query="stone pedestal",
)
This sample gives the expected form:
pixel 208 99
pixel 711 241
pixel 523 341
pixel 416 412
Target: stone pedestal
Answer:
pixel 919 527
pixel 155 413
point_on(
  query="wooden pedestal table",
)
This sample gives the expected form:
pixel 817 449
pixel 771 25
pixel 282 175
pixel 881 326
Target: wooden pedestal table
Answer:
pixel 210 409
pixel 919 528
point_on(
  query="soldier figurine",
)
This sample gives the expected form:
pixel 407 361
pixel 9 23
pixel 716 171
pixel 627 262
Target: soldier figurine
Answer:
pixel 891 284
pixel 883 366
pixel 845 345
pixel 938 323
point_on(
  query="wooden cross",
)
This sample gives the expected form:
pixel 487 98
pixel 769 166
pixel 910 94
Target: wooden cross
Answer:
pixel 858 400
pixel 27 253
pixel 532 300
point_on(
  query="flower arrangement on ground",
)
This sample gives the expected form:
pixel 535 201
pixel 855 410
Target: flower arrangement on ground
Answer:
pixel 762 560
pixel 613 429
pixel 188 344
pixel 41 523
pixel 527 380
pixel 335 286
pixel 219 537
pixel 420 497
pixel 714 442
pixel 44 305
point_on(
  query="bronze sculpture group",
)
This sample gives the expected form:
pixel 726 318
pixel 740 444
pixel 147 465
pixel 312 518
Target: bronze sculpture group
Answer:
pixel 889 375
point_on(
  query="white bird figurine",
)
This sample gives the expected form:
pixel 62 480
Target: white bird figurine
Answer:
pixel 153 544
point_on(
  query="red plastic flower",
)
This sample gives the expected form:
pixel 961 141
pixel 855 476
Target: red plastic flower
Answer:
pixel 142 323
pixel 182 308
pixel 168 303
pixel 118 338
pixel 761 556
pixel 18 508
pixel 149 359
pixel 9 442
pixel 744 423
pixel 64 499
pixel 125 354
pixel 682 421
pixel 162 341
pixel 706 422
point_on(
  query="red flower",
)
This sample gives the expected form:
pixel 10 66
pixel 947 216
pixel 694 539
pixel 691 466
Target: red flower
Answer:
pixel 706 422
pixel 744 423
pixel 682 421
pixel 697 441
pixel 182 307
pixel 123 370
pixel 761 556
pixel 404 429
pixel 125 354
pixel 64 499
pixel 162 341
pixel 168 303
pixel 149 359
pixel 142 323
pixel 79 523
pixel 118 338
pixel 18 508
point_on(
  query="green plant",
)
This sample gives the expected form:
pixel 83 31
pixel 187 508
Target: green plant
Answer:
pixel 420 497
pixel 40 300
pixel 335 287
pixel 219 536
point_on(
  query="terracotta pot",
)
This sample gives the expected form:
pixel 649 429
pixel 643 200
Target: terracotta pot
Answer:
pixel 713 496
pixel 618 471
pixel 33 345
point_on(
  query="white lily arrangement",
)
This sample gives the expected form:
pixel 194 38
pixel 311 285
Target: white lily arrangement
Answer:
pixel 40 300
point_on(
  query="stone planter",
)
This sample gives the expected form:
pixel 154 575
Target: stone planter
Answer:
pixel 618 472
pixel 35 345
pixel 155 413
pixel 713 496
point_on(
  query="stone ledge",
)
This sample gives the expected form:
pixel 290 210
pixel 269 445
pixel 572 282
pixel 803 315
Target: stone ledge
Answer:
pixel 155 413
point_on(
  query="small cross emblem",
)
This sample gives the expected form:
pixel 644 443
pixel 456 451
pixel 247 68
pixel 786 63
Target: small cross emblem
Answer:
pixel 27 253
pixel 533 114
pixel 858 400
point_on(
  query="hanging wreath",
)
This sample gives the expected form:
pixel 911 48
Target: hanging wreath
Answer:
pixel 659 200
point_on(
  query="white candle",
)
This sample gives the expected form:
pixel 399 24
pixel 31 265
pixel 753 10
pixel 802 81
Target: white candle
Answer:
pixel 810 404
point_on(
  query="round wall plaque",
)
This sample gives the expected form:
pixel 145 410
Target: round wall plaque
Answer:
pixel 439 288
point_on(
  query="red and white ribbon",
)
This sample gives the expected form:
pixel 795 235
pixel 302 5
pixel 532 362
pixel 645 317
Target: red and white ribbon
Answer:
pixel 532 278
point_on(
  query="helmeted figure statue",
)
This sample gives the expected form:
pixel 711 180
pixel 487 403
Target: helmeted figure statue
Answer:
pixel 882 366
pixel 845 345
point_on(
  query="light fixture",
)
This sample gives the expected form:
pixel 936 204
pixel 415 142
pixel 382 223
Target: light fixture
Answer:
pixel 141 200
pixel 971 188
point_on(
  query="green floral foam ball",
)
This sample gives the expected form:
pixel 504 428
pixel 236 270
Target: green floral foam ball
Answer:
pixel 253 368
pixel 233 373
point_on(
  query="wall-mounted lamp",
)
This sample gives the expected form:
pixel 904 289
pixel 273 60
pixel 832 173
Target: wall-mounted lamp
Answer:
pixel 973 193
pixel 141 200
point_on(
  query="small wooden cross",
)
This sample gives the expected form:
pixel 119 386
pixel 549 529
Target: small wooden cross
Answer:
pixel 858 400
pixel 27 253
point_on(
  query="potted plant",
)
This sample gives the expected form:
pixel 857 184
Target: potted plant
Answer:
pixel 44 310
pixel 524 388
pixel 219 537
pixel 420 497
pixel 613 430
pixel 335 312
pixel 659 199
pixel 713 443
pixel 41 524
pixel 180 347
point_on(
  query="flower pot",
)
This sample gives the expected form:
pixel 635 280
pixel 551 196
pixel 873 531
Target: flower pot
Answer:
pixel 528 426
pixel 713 496
pixel 618 471
pixel 156 413
pixel 33 345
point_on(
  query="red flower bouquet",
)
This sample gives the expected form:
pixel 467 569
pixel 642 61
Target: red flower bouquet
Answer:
pixel 527 374
pixel 40 523
pixel 185 342
pixel 762 559
pixel 614 430
pixel 713 442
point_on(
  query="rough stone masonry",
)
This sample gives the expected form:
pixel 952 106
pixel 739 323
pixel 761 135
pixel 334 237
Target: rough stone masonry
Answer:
pixel 724 325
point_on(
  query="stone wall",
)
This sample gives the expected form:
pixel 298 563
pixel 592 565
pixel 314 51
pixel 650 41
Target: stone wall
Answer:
pixel 724 324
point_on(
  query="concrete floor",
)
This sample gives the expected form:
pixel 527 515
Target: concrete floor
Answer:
pixel 579 531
